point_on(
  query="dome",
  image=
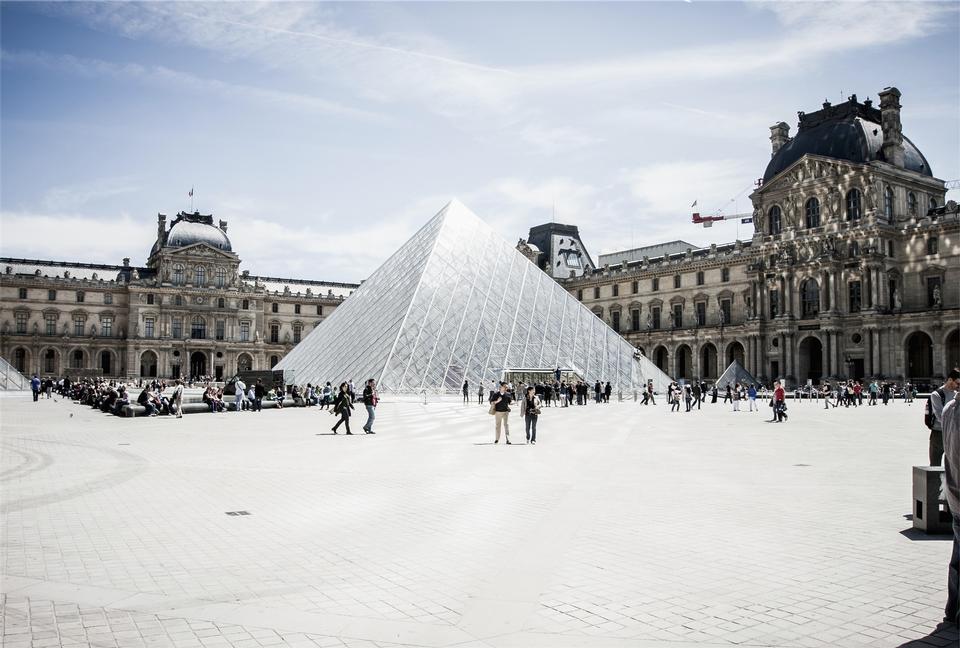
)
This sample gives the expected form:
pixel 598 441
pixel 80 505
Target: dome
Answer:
pixel 189 229
pixel 850 131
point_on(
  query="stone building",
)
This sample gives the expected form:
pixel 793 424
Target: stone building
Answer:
pixel 853 269
pixel 189 311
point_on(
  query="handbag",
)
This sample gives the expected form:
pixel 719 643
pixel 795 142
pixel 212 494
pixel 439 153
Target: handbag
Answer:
pixel 492 410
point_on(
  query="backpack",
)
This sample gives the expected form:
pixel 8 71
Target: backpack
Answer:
pixel 929 419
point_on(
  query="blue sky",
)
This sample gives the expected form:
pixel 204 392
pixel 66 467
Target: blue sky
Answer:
pixel 326 134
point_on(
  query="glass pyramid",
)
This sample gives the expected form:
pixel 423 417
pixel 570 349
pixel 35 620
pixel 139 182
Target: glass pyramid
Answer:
pixel 458 302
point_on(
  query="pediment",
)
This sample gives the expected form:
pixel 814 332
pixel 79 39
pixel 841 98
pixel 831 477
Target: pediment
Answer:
pixel 201 251
pixel 808 167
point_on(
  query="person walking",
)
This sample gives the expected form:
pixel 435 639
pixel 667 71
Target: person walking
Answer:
pixel 176 399
pixel 597 390
pixel 752 397
pixel 950 424
pixel 370 400
pixel 934 413
pixel 697 393
pixel 239 389
pixel 737 395
pixel 35 387
pixel 480 394
pixel 530 411
pixel 500 402
pixel 779 403
pixel 728 395
pixel 342 405
pixel 466 391
pixel 258 393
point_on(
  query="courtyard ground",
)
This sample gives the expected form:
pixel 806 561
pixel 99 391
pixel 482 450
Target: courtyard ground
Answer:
pixel 624 526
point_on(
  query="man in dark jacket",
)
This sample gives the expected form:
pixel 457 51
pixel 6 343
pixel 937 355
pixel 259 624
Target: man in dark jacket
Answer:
pixel 501 410
pixel 370 399
pixel 144 399
pixel 258 393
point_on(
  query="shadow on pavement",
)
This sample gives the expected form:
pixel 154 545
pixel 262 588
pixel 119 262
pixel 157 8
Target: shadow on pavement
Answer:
pixel 919 536
pixel 943 635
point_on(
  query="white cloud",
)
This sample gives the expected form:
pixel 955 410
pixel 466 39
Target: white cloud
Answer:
pixel 67 198
pixel 75 237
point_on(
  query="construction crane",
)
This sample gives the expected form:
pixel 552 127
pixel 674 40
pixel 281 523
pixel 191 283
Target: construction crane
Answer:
pixel 708 221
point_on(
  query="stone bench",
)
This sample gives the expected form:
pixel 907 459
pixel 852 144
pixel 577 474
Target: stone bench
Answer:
pixel 199 407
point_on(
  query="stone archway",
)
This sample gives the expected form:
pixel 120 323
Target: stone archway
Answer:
pixel 148 364
pixel 683 361
pixel 810 360
pixel 919 354
pixel 661 359
pixel 20 359
pixel 244 362
pixel 77 359
pixel 198 364
pixel 736 352
pixel 708 361
pixel 49 361
pixel 952 349
pixel 106 362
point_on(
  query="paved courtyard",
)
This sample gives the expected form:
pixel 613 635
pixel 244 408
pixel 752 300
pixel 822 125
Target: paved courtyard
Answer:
pixel 624 526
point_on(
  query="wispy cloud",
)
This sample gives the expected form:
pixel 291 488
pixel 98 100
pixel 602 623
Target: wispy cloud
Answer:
pixel 165 76
pixel 66 198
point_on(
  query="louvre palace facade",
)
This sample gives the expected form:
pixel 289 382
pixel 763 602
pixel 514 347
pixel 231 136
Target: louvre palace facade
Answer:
pixel 189 311
pixel 853 269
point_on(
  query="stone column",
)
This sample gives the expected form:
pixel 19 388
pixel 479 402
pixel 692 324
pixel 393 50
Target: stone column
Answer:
pixel 877 357
pixel 790 355
pixel 835 285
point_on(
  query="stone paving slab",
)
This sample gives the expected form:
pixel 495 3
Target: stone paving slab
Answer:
pixel 624 526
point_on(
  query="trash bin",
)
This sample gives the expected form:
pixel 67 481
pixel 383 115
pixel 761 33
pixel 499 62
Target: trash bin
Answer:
pixel 930 513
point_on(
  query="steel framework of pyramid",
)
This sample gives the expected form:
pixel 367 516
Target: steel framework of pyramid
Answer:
pixel 459 302
pixel 735 373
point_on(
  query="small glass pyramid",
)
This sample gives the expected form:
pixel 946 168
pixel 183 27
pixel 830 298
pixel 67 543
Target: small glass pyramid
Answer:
pixel 458 302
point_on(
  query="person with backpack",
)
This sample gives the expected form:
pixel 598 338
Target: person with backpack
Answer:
pixel 342 406
pixel 933 412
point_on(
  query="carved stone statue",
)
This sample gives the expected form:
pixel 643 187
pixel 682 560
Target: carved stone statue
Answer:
pixel 896 299
pixel 649 321
pixel 936 297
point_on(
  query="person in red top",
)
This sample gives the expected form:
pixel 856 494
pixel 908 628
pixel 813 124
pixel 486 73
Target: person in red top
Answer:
pixel 779 403
pixel 858 393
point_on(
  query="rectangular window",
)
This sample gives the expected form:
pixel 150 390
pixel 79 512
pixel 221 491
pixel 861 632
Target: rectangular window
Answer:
pixel 655 284
pixel 274 308
pixel 22 322
pixel 52 295
pixel 296 309
pixel 615 316
pixel 635 287
pixel 635 319
pixel 676 281
pixel 700 278
pixel 80 296
pixel 774 303
pixel 177 328
pixel 23 293
pixel 244 331
pixel 106 326
pixel 78 326
pixel 725 275
pixel 616 290
pixel 596 292
pixel 220 329
pixel 854 290
pixel 579 294
pixel 148 327
pixel 701 313
pixel 107 298
pixel 656 317
pixel 297 332
pixel 933 246
pixel 320 310
pixel 725 310
pixel 678 316
pixel 150 298
pixel 51 324
pixel 275 333
pixel 934 296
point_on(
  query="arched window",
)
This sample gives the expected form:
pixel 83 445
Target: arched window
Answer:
pixel 888 202
pixel 933 203
pixel 201 275
pixel 810 299
pixel 274 360
pixel 813 213
pixel 775 217
pixel 76 359
pixel 198 328
pixel 911 203
pixel 20 360
pixel 178 275
pixel 246 304
pixel 221 277
pixel 853 205
pixel 50 361
pixel 221 302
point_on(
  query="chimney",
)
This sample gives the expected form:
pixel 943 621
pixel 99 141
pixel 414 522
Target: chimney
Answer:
pixel 892 129
pixel 779 136
pixel 161 227
pixel 223 226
